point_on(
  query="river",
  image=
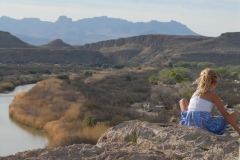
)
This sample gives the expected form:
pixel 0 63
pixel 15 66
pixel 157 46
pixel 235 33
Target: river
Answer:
pixel 15 137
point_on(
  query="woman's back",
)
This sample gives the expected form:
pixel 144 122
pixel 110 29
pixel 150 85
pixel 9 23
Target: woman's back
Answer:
pixel 198 103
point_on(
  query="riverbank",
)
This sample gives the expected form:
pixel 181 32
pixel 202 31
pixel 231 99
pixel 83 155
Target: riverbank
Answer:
pixel 55 107
pixel 7 86
pixel 13 133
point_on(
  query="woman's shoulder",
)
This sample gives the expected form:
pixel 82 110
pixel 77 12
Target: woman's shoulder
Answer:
pixel 209 95
pixel 212 96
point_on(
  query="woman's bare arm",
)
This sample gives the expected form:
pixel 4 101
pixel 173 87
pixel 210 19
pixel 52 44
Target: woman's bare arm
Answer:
pixel 225 114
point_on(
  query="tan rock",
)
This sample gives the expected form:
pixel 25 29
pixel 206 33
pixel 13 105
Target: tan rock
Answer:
pixel 137 140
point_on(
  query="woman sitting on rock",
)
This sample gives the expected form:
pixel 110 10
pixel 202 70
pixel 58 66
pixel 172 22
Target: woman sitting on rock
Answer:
pixel 198 111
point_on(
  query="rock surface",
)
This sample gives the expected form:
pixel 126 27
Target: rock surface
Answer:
pixel 137 140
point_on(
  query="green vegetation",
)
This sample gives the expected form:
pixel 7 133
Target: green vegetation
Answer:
pixel 174 75
pixel 20 74
pixel 83 101
pixel 90 121
pixel 63 77
pixel 88 74
pixel 56 107
pixel 72 111
pixel 109 99
pixel 153 79
pixel 183 71
pixel 194 64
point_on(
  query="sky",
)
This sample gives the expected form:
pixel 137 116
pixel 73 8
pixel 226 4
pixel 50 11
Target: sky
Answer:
pixel 206 17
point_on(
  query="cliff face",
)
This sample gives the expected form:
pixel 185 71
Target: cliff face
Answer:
pixel 137 140
pixel 145 49
pixel 54 56
pixel 160 49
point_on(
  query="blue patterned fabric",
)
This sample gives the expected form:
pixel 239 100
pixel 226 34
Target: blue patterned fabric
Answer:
pixel 203 120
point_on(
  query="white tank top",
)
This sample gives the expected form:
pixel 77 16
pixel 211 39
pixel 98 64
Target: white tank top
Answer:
pixel 200 104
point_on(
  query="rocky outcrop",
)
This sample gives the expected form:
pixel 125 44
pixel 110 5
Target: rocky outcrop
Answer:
pixel 137 140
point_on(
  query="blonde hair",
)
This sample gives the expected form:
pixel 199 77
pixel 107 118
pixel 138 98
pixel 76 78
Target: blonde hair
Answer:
pixel 206 79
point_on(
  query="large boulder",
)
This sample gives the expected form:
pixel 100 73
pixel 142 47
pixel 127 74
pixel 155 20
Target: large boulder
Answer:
pixel 137 140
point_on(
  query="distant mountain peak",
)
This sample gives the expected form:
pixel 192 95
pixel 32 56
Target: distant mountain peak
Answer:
pixel 9 41
pixel 64 19
pixel 57 43
pixel 87 30
pixel 31 19
pixel 4 17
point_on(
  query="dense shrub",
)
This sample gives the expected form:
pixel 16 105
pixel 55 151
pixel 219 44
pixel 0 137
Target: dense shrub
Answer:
pixel 63 77
pixel 183 64
pixel 88 74
pixel 119 66
pixel 205 64
pixel 153 79
pixel 6 86
pixel 90 121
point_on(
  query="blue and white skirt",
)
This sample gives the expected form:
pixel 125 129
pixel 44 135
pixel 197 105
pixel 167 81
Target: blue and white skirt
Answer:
pixel 203 120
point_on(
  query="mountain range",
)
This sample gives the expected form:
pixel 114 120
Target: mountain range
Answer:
pixel 88 30
pixel 145 49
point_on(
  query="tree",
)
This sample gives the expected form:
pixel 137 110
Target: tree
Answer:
pixel 88 74
pixel 184 72
pixel 164 77
pixel 63 77
pixel 182 64
pixel 179 78
pixel 153 79
pixel 206 64
pixel 185 64
pixel 90 121
pixel 234 74
pixel 127 77
pixel 46 72
pixel 221 71
pixel 239 76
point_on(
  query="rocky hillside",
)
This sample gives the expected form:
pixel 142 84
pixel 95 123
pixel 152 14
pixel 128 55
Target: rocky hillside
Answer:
pixel 58 43
pixel 161 49
pixel 52 56
pixel 137 140
pixel 13 50
pixel 9 41
pixel 145 49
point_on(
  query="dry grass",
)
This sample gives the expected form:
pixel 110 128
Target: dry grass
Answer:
pixel 55 107
pixel 6 86
pixel 102 74
pixel 95 77
pixel 143 69
pixel 64 133
pixel 59 108
pixel 94 132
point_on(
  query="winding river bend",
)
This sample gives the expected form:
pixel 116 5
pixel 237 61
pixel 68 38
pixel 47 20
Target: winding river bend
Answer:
pixel 15 137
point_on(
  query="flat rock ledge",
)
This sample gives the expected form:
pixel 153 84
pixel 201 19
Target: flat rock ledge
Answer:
pixel 138 140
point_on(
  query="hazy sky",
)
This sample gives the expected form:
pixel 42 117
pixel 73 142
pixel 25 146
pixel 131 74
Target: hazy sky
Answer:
pixel 205 17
